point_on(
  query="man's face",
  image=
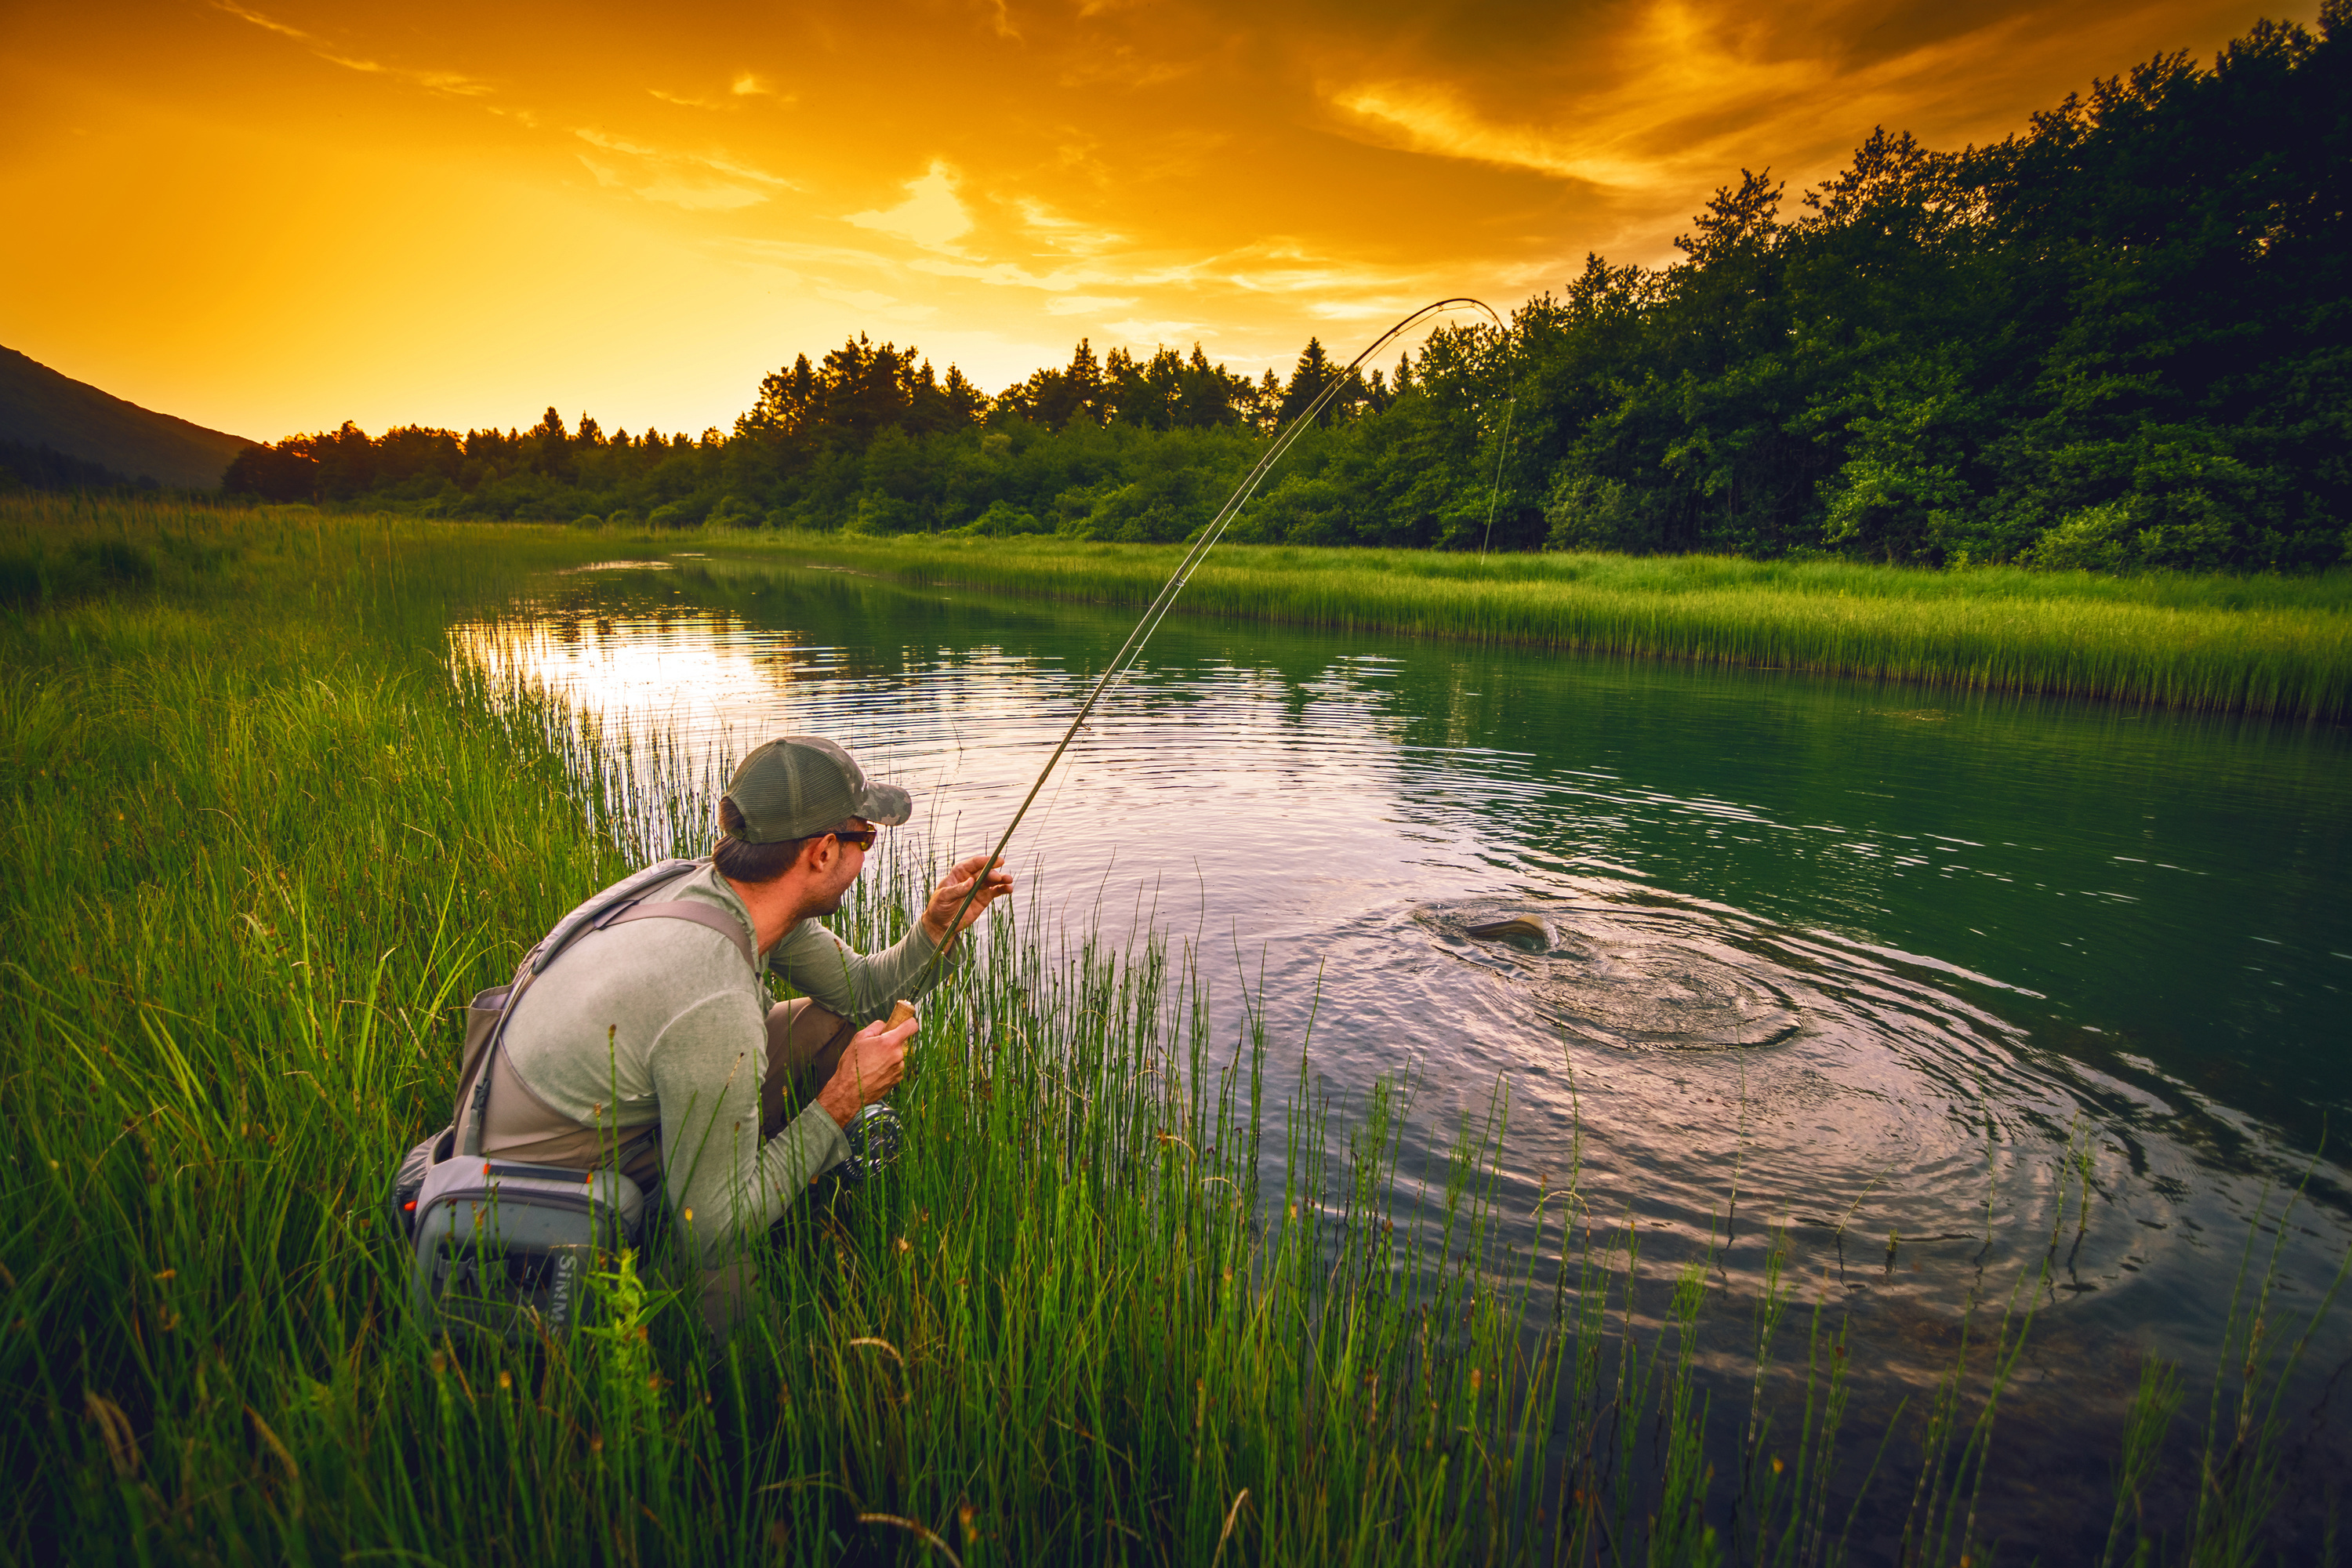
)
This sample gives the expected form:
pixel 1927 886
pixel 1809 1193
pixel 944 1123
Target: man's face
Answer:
pixel 832 883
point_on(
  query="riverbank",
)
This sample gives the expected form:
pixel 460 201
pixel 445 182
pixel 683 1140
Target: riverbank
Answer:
pixel 1119 1303
pixel 2271 645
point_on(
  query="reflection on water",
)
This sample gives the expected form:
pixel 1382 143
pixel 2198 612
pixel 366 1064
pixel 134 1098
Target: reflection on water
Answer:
pixel 1938 991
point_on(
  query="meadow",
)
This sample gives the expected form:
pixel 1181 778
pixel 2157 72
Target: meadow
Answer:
pixel 2257 643
pixel 1126 1298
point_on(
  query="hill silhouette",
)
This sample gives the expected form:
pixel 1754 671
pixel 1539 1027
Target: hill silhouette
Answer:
pixel 40 408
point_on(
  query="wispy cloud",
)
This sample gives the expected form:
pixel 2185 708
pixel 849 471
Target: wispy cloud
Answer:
pixel 1688 92
pixel 1066 233
pixel 1429 118
pixel 680 179
pixel 453 83
pixel 1085 304
pixel 867 302
pixel 694 195
pixel 746 85
pixel 258 20
pixel 613 143
pixel 783 250
pixel 1155 333
pixel 1357 310
pixel 685 101
pixel 932 216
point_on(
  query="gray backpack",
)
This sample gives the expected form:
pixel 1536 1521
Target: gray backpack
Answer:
pixel 502 1247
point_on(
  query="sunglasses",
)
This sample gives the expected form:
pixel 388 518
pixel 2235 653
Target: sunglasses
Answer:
pixel 863 837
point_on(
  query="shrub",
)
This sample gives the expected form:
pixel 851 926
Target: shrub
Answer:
pixel 732 513
pixel 1001 520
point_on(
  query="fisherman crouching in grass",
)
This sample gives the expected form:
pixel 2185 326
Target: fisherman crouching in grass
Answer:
pixel 652 1045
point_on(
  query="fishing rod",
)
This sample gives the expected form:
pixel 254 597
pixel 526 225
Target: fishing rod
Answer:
pixel 1132 650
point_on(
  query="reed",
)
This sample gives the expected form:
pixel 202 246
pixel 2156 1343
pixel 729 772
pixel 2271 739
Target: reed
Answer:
pixel 1125 1298
pixel 2260 644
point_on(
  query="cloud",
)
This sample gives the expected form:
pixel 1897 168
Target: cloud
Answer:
pixel 613 143
pixel 866 302
pixel 453 83
pixel 694 195
pixel 1427 118
pixel 724 165
pixel 680 179
pixel 1085 305
pixel 1066 233
pixel 746 85
pixel 1158 332
pixel 258 20
pixel 1690 90
pixel 1357 310
pixel 931 216
pixel 684 101
pixel 781 250
pixel 699 196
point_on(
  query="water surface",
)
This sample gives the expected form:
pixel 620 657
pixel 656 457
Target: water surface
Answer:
pixel 2001 981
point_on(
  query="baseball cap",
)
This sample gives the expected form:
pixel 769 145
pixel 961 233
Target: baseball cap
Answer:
pixel 797 787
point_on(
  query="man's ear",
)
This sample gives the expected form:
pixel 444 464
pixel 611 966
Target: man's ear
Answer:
pixel 816 854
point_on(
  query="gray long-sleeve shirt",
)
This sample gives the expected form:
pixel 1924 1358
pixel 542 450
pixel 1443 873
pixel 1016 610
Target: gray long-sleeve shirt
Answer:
pixel 663 1021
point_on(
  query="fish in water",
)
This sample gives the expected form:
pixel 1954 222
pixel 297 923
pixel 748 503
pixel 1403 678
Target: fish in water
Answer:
pixel 1519 928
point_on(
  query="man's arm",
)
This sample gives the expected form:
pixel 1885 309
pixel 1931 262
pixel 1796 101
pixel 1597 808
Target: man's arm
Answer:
pixel 859 986
pixel 862 987
pixel 721 1181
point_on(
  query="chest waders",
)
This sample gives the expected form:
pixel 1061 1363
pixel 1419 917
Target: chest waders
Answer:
pixel 500 1247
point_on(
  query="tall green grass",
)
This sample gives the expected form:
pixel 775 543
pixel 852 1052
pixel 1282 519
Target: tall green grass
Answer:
pixel 1125 1299
pixel 2265 645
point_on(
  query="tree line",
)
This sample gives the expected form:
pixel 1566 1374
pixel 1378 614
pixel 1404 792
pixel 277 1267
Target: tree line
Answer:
pixel 2120 338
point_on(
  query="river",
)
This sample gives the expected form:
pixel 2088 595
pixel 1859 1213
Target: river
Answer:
pixel 1949 990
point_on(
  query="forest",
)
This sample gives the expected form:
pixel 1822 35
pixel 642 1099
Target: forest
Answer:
pixel 2119 339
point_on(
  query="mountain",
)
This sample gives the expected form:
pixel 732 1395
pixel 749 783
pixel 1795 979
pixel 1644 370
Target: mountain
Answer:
pixel 38 407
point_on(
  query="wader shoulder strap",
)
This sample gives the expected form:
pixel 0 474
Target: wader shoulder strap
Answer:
pixel 717 918
pixel 725 924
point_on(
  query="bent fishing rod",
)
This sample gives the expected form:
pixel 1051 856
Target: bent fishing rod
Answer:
pixel 1132 650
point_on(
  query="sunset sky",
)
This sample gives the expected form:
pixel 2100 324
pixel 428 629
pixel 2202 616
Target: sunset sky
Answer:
pixel 271 216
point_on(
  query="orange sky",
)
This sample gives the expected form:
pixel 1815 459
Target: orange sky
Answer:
pixel 279 214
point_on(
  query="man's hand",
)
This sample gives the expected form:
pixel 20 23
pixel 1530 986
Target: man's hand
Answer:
pixel 871 1066
pixel 949 896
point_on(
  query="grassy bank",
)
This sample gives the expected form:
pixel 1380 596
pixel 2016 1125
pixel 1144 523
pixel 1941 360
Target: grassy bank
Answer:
pixel 2266 645
pixel 1119 1303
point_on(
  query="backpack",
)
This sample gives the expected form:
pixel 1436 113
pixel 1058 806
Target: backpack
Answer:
pixel 502 1247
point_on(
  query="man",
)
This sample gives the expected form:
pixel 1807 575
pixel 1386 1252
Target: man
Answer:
pixel 653 1038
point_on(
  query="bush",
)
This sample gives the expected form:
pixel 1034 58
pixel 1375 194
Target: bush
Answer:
pixel 1001 521
pixel 2096 539
pixel 732 513
pixel 1588 512
pixel 886 514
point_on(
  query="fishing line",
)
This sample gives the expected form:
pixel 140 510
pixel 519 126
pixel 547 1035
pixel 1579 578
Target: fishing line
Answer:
pixel 1129 651
pixel 1495 495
